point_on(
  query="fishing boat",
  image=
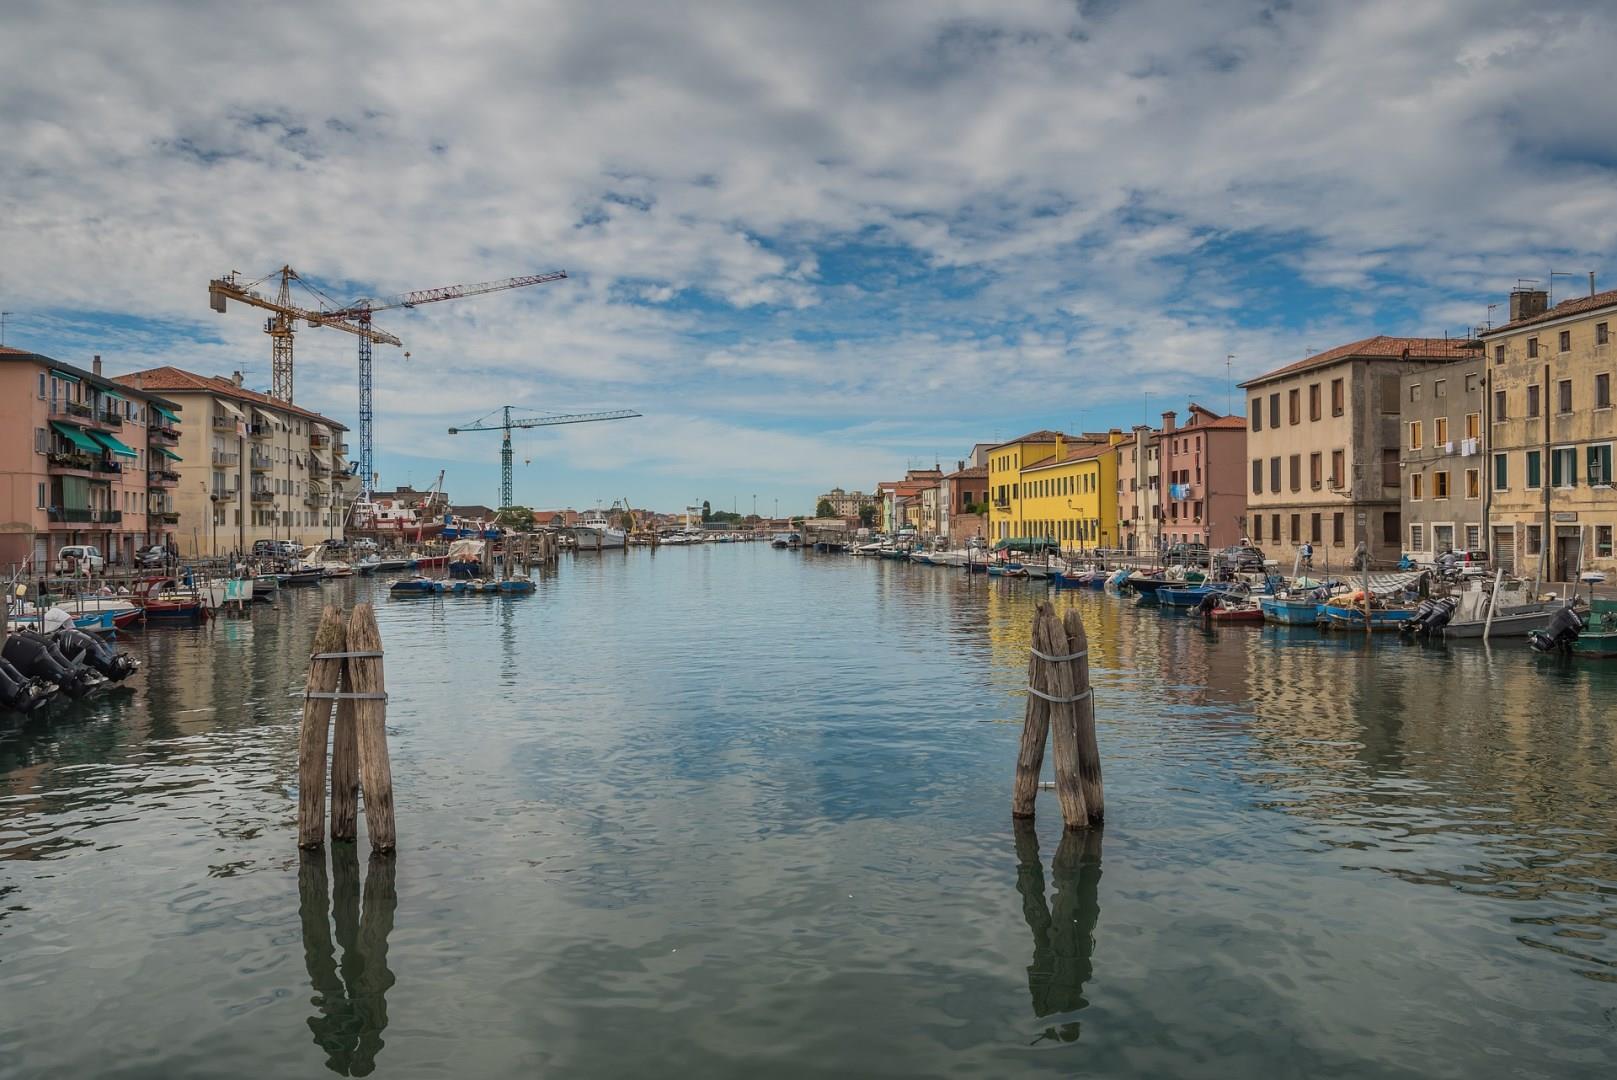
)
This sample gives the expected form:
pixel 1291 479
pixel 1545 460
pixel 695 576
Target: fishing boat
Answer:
pixel 164 599
pixel 393 566
pixel 303 575
pixel 1291 610
pixel 466 558
pixel 595 533
pixel 417 586
pixel 1188 595
pixel 1598 638
pixel 1502 609
pixel 1347 611
pixel 428 562
pixel 367 566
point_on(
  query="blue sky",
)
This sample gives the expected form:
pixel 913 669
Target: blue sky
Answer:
pixel 811 243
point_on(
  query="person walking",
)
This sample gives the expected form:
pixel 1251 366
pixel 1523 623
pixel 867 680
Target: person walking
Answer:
pixel 1307 553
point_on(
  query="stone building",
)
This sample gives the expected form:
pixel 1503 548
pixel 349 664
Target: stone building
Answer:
pixel 1442 458
pixel 1551 428
pixel 1203 470
pixel 1323 449
pixel 964 501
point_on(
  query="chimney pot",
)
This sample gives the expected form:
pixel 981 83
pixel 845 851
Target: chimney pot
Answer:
pixel 95 365
pixel 1525 303
pixel 1168 419
pixel 236 378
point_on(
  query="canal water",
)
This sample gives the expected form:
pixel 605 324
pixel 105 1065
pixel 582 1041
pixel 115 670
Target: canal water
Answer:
pixel 731 811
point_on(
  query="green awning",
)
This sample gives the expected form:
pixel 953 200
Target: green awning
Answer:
pixel 64 376
pixel 171 455
pixel 77 437
pixel 113 443
pixel 164 412
pixel 110 392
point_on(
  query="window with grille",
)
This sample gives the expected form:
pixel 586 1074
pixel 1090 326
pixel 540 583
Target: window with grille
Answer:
pixel 1417 538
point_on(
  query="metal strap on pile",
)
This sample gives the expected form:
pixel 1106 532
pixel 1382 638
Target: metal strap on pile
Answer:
pixel 345 656
pixel 372 696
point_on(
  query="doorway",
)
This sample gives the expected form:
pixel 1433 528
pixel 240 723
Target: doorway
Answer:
pixel 1568 545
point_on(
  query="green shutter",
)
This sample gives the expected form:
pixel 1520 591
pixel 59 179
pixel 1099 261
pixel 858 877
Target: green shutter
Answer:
pixel 75 493
pixel 1501 472
pixel 1534 472
pixel 1599 464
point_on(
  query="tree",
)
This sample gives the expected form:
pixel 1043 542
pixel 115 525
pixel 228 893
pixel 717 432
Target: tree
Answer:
pixel 867 515
pixel 519 518
pixel 707 511
pixel 825 509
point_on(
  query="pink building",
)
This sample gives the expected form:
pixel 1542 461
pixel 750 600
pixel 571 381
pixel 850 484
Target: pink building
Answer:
pixel 84 460
pixel 1203 479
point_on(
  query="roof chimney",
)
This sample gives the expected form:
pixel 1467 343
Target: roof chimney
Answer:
pixel 235 378
pixel 95 365
pixel 1061 448
pixel 1525 303
pixel 1168 419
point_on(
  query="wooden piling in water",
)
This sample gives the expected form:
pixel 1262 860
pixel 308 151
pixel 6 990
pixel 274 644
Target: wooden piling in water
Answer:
pixel 368 685
pixel 1089 778
pixel 321 683
pixel 1050 638
pixel 345 770
pixel 1035 729
pixel 1060 703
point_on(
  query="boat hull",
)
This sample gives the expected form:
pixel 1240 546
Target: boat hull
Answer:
pixel 1380 618
pixel 1503 626
pixel 1290 612
pixel 597 539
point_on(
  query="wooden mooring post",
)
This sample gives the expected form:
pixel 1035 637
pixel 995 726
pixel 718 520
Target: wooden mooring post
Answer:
pixel 347 655
pixel 1060 705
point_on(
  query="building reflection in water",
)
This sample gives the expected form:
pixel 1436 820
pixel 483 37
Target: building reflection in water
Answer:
pixel 350 993
pixel 1063 927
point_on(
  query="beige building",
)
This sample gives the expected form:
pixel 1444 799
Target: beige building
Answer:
pixel 1323 449
pixel 1139 478
pixel 1551 430
pixel 844 503
pixel 1443 458
pixel 251 467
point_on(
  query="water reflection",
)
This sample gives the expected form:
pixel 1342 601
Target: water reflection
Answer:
pixel 1064 928
pixel 350 995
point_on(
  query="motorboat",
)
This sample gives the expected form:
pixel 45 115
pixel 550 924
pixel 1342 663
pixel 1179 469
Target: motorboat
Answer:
pixel 466 558
pixel 595 533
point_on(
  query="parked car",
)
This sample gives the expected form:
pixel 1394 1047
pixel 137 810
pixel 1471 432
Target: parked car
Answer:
pixel 74 558
pixel 1188 555
pixel 1246 559
pixel 151 557
pixel 266 549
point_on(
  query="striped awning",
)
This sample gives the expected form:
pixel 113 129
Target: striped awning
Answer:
pixel 112 444
pixel 76 436
pixel 231 409
pixel 268 418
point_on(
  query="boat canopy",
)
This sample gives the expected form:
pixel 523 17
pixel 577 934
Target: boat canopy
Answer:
pixel 1028 544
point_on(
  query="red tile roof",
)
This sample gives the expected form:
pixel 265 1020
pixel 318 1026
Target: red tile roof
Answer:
pixel 1380 347
pixel 1202 418
pixel 1083 450
pixel 1045 435
pixel 970 473
pixel 172 379
pixel 1576 306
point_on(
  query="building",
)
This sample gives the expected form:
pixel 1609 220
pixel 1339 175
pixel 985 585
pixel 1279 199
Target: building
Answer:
pixel 932 512
pixel 1442 458
pixel 1551 427
pixel 844 503
pixel 1071 495
pixel 1005 463
pixel 1322 447
pixel 1203 479
pixel 83 460
pixel 1139 502
pixel 251 467
pixel 964 501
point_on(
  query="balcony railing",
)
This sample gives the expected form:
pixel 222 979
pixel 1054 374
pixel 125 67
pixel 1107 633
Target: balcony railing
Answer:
pixel 85 516
pixel 224 423
pixel 263 495
pixel 319 442
pixel 258 431
pixel 314 498
pixel 78 409
pixel 162 433
pixel 71 459
pixel 226 458
pixel 109 419
pixel 317 469
pixel 167 517
pixel 224 494
pixel 162 477
pixel 262 463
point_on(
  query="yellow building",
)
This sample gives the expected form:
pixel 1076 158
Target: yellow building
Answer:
pixel 1045 485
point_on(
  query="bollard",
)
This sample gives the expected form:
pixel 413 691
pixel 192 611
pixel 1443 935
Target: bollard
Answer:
pixel 321 683
pixel 367 684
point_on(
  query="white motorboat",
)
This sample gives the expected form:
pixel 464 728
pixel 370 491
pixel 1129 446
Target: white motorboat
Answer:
pixel 595 533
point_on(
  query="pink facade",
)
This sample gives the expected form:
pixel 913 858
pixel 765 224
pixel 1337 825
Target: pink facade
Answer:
pixel 1203 492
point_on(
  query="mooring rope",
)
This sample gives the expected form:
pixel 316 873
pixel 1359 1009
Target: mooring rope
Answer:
pixel 1059 700
pixel 1059 659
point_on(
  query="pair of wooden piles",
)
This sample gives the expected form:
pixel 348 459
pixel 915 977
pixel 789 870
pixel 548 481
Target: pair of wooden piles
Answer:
pixel 347 654
pixel 1060 708
pixel 547 549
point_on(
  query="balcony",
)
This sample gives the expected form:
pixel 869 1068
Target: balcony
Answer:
pixel 319 442
pixel 226 459
pixel 167 517
pixel 263 495
pixel 315 498
pixel 163 435
pixel 72 515
pixel 224 494
pixel 71 460
pixel 109 419
pixel 224 423
pixel 340 448
pixel 75 409
pixel 261 462
pixel 258 431
pixel 162 477
pixel 317 469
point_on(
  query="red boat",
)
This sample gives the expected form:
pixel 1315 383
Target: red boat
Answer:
pixel 165 598
pixel 1240 613
pixel 432 562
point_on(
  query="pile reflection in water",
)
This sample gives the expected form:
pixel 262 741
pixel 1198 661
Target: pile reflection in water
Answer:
pixel 1063 929
pixel 350 995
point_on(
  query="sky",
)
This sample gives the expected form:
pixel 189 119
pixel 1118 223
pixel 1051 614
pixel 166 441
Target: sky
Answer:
pixel 813 244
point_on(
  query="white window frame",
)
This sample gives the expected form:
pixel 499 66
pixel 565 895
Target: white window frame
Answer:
pixel 1573 450
pixel 1417 536
pixel 1436 525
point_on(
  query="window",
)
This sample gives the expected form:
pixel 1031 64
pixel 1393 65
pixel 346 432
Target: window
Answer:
pixel 1257 476
pixel 1564 467
pixel 39 494
pixel 1473 537
pixel 1338 528
pixel 1313 401
pixel 1389 527
pixel 1440 432
pixel 1499 411
pixel 1532 347
pixel 1294 406
pixel 1473 485
pixel 1274 527
pixel 1440 388
pixel 1417 538
pixel 1442 538
pixel 1274 479
pixel 1296 472
pixel 1414 435
pixel 1602 532
pixel 42 441
pixel 1601 337
pixel 1598 465
pixel 1296 528
pixel 1473 425
pixel 1257 528
pixel 1337 469
pixel 1534 469
pixel 1416 483
pixel 42 386
pixel 1274 410
pixel 1440 484
pixel 1337 396
pixel 1565 341
pixel 1563 396
pixel 1603 391
pixel 1534 540
pixel 1314 535
pixel 1532 401
pixel 1316 470
pixel 1257 414
pixel 1499 354
pixel 1414 392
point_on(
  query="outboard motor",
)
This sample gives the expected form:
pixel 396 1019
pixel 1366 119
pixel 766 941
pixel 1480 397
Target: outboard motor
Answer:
pixel 82 648
pixel 1565 626
pixel 34 655
pixel 1416 623
pixel 19 692
pixel 1441 615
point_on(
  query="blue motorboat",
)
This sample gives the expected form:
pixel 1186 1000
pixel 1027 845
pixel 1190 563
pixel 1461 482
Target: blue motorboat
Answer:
pixel 419 586
pixel 1291 610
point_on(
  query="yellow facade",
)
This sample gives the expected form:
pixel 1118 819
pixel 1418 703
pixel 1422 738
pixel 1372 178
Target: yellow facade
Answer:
pixel 1052 488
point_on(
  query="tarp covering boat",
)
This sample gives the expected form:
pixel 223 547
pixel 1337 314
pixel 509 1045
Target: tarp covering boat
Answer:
pixel 1027 544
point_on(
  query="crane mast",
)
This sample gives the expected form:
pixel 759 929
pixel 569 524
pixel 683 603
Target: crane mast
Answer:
pixel 507 424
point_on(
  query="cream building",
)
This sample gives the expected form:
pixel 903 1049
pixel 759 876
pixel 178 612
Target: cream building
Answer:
pixel 251 467
pixel 1551 431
